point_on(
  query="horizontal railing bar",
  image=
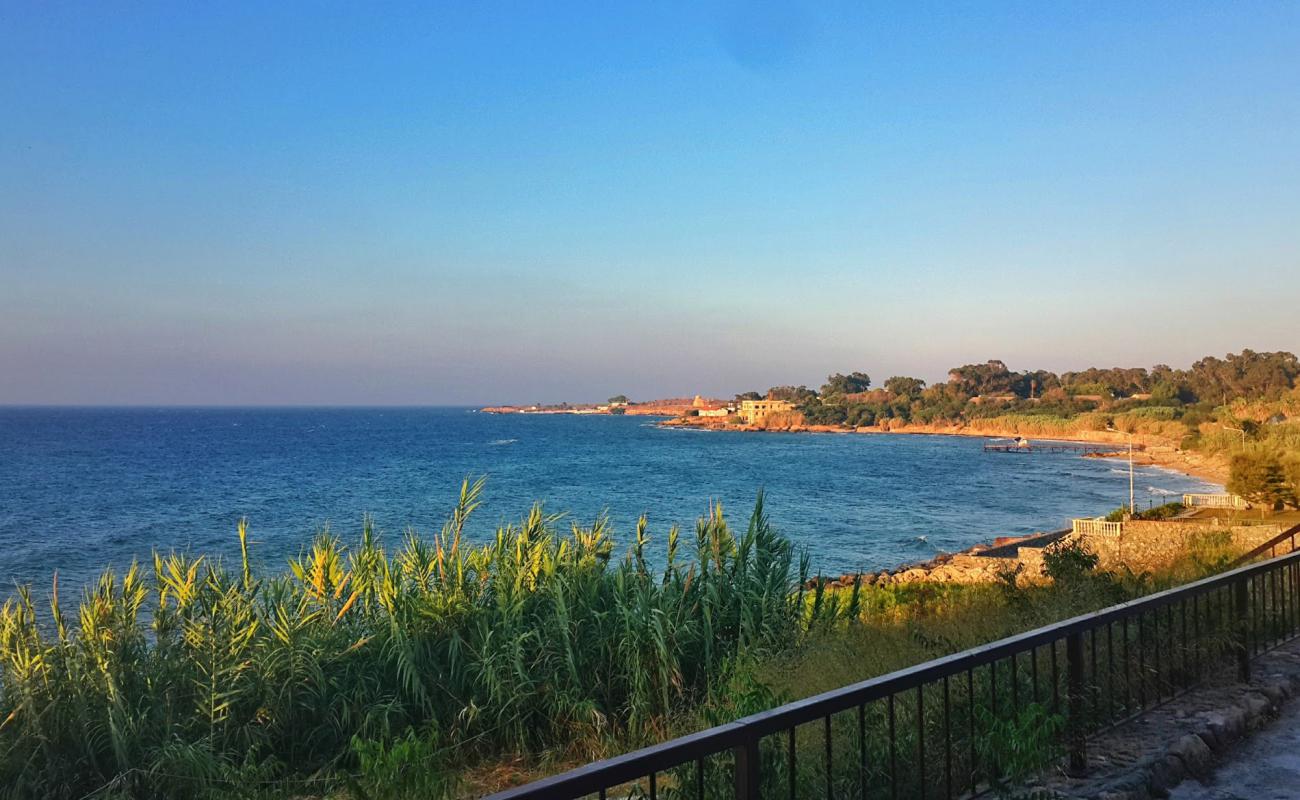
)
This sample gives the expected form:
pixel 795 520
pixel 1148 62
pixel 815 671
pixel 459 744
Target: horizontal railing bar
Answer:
pixel 1250 555
pixel 590 778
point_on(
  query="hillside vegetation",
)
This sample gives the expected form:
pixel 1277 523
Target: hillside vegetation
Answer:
pixel 1242 410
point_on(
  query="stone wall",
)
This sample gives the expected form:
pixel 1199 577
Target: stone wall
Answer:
pixel 1152 544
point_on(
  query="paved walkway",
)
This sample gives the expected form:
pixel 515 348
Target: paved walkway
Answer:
pixel 1265 766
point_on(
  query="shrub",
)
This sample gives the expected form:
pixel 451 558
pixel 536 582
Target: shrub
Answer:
pixel 1210 551
pixel 1017 747
pixel 1165 511
pixel 1068 560
pixel 405 768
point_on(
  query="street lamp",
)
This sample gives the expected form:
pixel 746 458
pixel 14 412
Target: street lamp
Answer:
pixel 1113 429
pixel 1236 430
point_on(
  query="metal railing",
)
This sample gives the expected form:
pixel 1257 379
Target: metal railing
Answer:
pixel 940 729
pixel 1284 541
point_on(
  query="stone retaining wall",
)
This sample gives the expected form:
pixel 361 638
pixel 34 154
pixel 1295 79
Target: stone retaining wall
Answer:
pixel 1151 544
pixel 1142 545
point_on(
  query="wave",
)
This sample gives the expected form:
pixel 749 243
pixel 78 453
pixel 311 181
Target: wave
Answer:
pixel 499 442
pixel 1156 490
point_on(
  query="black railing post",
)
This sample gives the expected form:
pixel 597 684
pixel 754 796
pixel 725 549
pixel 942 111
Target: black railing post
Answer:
pixel 1075 726
pixel 747 769
pixel 1241 640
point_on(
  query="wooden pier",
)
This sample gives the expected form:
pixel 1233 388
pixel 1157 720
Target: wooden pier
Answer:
pixel 1083 448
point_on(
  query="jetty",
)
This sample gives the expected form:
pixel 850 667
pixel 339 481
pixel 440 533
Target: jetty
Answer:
pixel 1083 448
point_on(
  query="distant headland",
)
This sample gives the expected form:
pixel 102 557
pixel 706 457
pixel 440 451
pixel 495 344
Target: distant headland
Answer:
pixel 1232 420
pixel 668 407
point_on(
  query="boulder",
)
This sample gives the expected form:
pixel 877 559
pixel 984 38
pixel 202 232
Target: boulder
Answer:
pixel 1195 755
pixel 1165 774
pixel 1257 707
pixel 1275 693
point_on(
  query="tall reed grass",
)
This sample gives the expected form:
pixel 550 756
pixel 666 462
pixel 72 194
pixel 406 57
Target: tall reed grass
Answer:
pixel 195 676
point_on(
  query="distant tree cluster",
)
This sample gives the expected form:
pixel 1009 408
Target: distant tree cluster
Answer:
pixel 992 388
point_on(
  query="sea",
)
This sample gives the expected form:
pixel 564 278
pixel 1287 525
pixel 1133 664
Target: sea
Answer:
pixel 82 489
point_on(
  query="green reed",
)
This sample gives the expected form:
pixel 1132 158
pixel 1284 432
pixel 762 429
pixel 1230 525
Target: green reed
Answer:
pixel 195 677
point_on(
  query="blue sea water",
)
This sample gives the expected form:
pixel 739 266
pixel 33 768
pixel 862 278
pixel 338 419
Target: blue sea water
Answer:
pixel 84 488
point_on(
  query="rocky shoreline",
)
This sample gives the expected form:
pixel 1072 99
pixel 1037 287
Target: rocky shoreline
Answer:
pixel 981 563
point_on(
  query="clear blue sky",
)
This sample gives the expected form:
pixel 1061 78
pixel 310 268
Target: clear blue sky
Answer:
pixel 478 202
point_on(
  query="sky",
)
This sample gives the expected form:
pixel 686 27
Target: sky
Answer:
pixel 462 203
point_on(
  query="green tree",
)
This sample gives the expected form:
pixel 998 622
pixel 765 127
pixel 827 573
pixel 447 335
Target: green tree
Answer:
pixel 991 377
pixel 1165 393
pixel 852 383
pixel 1291 468
pixel 798 395
pixel 1259 476
pixel 902 386
pixel 619 399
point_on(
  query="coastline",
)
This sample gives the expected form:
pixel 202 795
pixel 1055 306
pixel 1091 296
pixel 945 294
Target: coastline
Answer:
pixel 1157 451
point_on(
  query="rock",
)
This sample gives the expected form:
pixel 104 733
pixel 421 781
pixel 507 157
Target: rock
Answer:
pixel 1195 755
pixel 912 575
pixel 1275 693
pixel 1165 774
pixel 945 575
pixel 1209 735
pixel 1227 727
pixel 1257 707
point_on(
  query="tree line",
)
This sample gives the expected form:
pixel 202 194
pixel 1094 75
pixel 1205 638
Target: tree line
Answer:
pixel 1204 407
pixel 975 390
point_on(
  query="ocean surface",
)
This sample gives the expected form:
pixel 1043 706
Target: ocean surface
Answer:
pixel 84 488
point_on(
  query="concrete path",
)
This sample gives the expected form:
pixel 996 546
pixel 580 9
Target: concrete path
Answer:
pixel 1265 766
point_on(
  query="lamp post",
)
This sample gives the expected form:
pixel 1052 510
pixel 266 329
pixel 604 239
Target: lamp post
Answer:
pixel 1112 428
pixel 1236 430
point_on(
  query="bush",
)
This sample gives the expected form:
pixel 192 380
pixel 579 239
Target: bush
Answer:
pixel 1166 511
pixel 405 768
pixel 1017 747
pixel 1068 560
pixel 1211 551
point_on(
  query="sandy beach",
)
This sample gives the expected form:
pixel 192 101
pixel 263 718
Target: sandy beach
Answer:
pixel 1155 451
